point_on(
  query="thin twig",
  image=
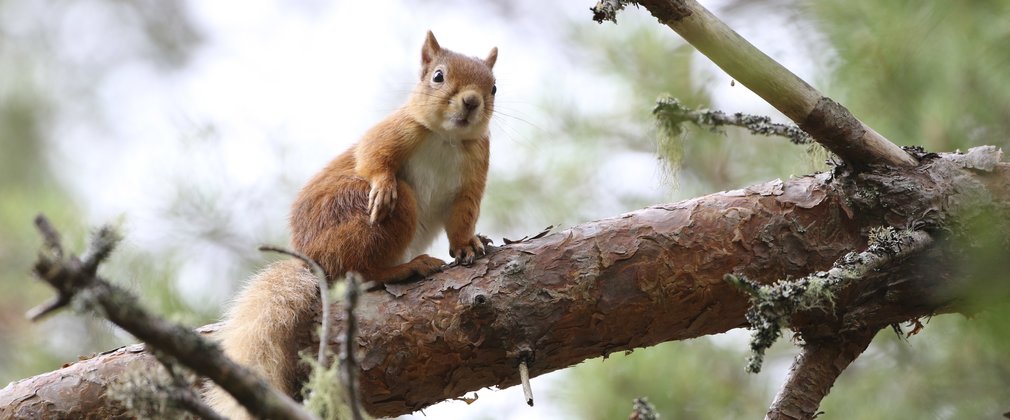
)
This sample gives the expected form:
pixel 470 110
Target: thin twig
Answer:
pixel 324 296
pixel 351 335
pixel 50 237
pixel 524 378
pixel 672 114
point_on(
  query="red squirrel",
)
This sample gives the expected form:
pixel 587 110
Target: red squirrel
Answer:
pixel 373 210
pixel 419 170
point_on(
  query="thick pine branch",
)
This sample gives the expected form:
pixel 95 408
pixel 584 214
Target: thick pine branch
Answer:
pixel 646 277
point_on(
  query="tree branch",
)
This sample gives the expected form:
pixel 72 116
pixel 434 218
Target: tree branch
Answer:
pixel 350 360
pixel 814 372
pixel 830 123
pixel 642 278
pixel 672 114
pixel 75 280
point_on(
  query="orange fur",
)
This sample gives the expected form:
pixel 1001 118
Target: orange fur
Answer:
pixel 374 209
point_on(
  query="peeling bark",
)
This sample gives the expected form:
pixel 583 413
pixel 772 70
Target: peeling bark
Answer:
pixel 646 277
pixel 77 391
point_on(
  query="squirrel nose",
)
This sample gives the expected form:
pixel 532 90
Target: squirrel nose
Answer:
pixel 471 102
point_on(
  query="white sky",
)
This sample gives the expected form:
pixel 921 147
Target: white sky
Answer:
pixel 287 88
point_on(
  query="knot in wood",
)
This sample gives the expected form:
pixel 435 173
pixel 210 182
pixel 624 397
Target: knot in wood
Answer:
pixel 480 301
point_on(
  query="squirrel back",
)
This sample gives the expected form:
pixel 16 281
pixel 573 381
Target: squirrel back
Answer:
pixel 374 209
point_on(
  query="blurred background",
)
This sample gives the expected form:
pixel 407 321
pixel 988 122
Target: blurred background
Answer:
pixel 191 125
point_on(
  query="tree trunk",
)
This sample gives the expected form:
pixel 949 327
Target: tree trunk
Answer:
pixel 635 280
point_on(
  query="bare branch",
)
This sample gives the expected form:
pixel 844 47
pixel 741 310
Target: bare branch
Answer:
pixel 50 237
pixel 672 114
pixel 76 281
pixel 830 123
pixel 524 379
pixel 183 389
pixel 351 336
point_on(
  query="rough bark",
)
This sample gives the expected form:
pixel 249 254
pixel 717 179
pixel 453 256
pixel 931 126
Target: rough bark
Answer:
pixel 642 278
pixel 650 276
pixel 646 277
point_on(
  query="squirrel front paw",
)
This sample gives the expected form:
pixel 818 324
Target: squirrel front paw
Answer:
pixel 464 254
pixel 381 198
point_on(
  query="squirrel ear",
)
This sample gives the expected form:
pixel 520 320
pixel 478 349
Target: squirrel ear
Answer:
pixel 429 50
pixel 491 57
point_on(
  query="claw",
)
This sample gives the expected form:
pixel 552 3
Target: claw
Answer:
pixel 465 255
pixel 381 199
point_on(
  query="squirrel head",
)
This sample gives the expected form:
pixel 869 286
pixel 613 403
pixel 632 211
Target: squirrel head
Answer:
pixel 455 96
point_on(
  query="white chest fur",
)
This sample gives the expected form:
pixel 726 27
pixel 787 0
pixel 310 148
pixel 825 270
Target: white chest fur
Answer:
pixel 434 171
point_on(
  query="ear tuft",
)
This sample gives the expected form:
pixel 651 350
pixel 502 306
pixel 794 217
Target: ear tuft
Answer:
pixel 491 58
pixel 429 50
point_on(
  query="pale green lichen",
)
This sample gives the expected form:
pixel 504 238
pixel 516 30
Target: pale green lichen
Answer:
pixel 671 115
pixel 324 393
pixel 773 305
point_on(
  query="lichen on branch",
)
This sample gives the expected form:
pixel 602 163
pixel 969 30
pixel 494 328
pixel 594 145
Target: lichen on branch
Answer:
pixel 773 305
pixel 671 116
pixel 606 10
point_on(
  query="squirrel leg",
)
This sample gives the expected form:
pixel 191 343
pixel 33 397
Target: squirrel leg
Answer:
pixel 398 229
pixel 353 243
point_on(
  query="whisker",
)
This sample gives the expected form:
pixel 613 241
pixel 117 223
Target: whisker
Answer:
pixel 520 119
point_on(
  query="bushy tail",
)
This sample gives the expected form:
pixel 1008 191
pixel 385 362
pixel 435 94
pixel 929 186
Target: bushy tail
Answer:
pixel 263 326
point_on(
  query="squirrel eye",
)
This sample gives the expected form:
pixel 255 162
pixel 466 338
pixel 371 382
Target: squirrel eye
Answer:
pixel 438 77
pixel 494 89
